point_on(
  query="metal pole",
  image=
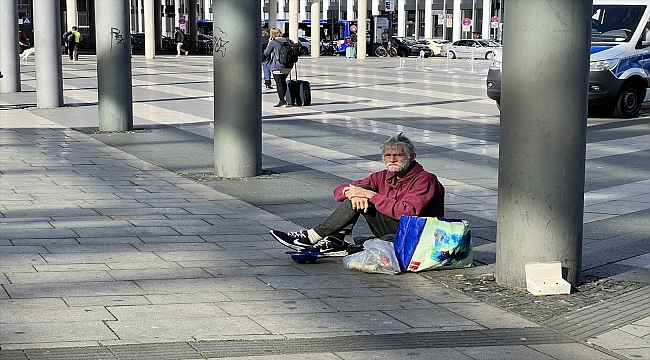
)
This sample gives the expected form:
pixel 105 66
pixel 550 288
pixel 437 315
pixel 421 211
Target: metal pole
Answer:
pixel 193 25
pixel 293 20
pixel 149 30
pixel 315 29
pixel 361 29
pixel 47 38
pixel 237 89
pixel 114 65
pixel 542 139
pixel 158 14
pixel 9 47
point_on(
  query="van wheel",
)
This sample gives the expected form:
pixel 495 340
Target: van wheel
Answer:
pixel 629 101
pixel 489 55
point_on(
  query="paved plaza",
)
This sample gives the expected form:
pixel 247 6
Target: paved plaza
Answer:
pixel 126 246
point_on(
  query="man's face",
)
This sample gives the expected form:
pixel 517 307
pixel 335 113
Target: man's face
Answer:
pixel 396 160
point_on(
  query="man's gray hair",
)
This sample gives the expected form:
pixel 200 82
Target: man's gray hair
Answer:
pixel 399 139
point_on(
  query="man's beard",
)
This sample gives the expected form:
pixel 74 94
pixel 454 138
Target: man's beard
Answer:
pixel 401 167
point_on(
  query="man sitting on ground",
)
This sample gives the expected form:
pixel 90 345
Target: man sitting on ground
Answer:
pixel 404 188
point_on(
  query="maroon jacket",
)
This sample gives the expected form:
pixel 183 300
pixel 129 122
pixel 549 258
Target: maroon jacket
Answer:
pixel 419 193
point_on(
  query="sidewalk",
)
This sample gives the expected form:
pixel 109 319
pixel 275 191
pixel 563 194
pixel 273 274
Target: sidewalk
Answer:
pixel 121 246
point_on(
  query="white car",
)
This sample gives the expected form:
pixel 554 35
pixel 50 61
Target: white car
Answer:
pixel 471 48
pixel 305 44
pixel 434 44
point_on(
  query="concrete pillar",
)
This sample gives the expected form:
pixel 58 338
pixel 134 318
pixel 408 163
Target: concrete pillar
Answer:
pixel 457 27
pixel 71 14
pixel 149 30
pixel 401 18
pixel 237 89
pixel 114 65
pixel 157 10
pixel 487 10
pixel 141 20
pixel 315 29
pixel 362 7
pixel 428 19
pixel 350 10
pixel 91 24
pixel 9 48
pixel 302 10
pixel 273 13
pixel 47 38
pixel 542 138
pixel 293 20
pixel 193 25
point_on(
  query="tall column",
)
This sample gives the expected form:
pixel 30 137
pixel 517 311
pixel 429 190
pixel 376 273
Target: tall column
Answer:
pixel 362 7
pixel 9 48
pixel 302 10
pixel 71 14
pixel 194 37
pixel 273 13
pixel 149 30
pixel 457 27
pixel 487 15
pixel 114 65
pixel 428 20
pixel 401 18
pixel 157 10
pixel 237 58
pixel 350 10
pixel 542 138
pixel 91 24
pixel 141 20
pixel 315 28
pixel 47 38
pixel 293 20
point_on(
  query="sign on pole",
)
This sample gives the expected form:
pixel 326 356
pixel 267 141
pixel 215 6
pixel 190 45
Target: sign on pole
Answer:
pixel 390 5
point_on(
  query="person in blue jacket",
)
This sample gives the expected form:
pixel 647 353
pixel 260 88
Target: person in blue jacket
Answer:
pixel 279 71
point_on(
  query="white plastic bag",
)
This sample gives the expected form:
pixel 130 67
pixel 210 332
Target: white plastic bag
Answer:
pixel 378 256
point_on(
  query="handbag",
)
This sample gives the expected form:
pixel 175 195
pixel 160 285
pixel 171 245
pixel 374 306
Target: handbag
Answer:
pixel 433 243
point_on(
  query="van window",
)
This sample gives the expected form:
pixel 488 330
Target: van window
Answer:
pixel 615 23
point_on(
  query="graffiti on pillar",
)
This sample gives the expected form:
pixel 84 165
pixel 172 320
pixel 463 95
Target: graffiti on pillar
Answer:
pixel 117 37
pixel 219 42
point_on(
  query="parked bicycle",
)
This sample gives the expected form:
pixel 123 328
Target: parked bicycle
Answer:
pixel 383 52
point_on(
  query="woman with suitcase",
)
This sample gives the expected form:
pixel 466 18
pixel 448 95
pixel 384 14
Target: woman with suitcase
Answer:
pixel 279 71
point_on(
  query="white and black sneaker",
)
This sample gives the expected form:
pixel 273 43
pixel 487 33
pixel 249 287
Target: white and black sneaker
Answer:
pixel 329 246
pixel 297 240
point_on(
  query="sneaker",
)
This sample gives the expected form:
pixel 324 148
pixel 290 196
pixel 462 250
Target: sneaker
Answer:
pixel 329 246
pixel 187 52
pixel 178 55
pixel 296 240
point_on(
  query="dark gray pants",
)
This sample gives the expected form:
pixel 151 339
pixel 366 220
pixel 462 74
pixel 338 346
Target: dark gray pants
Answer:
pixel 344 218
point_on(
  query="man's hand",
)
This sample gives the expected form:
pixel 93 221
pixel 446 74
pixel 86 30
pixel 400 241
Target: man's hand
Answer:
pixel 359 197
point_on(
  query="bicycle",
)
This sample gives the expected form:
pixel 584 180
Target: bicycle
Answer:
pixel 383 52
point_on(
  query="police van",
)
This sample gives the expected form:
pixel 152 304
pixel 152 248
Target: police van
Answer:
pixel 619 67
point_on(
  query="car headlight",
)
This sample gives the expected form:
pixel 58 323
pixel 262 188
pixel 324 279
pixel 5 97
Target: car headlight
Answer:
pixel 600 65
pixel 495 64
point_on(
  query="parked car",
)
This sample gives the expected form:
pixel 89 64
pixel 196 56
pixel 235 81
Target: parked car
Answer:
pixel 434 44
pixel 408 47
pixel 471 48
pixel 305 45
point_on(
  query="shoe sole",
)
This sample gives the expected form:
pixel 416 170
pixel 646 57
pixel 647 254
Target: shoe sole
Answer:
pixel 335 253
pixel 289 245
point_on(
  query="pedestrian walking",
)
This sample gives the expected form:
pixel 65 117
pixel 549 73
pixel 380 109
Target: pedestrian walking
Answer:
pixel 179 37
pixel 266 60
pixel 72 38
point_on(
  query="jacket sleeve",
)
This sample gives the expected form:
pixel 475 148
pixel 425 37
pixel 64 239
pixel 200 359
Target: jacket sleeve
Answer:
pixel 415 199
pixel 370 181
pixel 269 48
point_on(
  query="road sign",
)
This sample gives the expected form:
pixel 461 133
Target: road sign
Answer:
pixel 466 22
pixel 353 28
pixel 494 19
pixel 181 21
pixel 390 5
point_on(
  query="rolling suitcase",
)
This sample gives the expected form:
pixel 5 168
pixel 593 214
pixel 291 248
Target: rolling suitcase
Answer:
pixel 298 91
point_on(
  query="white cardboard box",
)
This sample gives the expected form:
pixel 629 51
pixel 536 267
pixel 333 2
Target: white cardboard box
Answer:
pixel 546 279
